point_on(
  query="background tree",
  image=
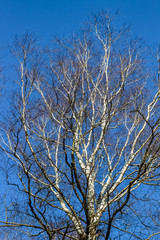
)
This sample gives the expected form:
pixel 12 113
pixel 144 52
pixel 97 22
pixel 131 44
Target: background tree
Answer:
pixel 83 137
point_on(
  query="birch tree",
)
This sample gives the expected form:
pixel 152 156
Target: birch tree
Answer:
pixel 83 137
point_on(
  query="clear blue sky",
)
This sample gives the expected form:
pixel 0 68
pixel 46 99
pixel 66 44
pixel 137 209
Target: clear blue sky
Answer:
pixel 52 17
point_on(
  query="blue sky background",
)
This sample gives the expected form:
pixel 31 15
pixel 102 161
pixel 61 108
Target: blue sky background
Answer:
pixel 60 17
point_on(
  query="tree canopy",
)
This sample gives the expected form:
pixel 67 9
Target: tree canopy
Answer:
pixel 82 137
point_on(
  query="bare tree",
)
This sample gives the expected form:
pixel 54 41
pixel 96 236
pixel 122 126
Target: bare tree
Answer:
pixel 84 137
